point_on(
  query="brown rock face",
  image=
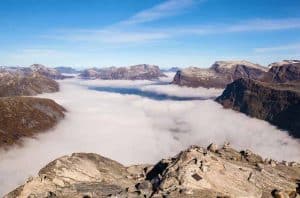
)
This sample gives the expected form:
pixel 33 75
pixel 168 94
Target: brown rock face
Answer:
pixel 136 72
pixel 219 74
pixel 26 116
pixel 277 103
pixel 195 172
pixel 20 85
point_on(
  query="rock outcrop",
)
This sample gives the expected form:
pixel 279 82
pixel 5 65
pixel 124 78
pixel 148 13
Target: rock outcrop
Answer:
pixel 25 116
pixel 277 103
pixel 195 172
pixel 219 74
pixel 136 72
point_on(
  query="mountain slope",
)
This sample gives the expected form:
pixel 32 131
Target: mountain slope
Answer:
pixel 26 116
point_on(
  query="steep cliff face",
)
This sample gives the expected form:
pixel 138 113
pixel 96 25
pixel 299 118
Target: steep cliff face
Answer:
pixel 195 172
pixel 136 72
pixel 276 103
pixel 219 74
pixel 25 116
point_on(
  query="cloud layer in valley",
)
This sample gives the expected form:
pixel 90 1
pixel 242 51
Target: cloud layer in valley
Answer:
pixel 132 129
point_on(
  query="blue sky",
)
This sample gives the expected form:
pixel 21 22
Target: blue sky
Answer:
pixel 86 33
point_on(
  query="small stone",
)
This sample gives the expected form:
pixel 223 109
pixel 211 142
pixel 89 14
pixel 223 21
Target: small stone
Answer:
pixel 186 191
pixel 197 177
pixel 293 164
pixel 285 163
pixel 226 145
pixel 144 185
pixel 248 152
pixel 272 163
pixel 212 147
pixel 29 179
pixel 259 167
pixel 279 194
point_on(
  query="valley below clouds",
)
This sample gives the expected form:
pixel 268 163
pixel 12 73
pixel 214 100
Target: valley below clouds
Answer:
pixel 135 129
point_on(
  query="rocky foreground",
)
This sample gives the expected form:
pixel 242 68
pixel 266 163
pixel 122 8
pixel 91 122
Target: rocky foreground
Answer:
pixel 26 116
pixel 195 172
pixel 136 72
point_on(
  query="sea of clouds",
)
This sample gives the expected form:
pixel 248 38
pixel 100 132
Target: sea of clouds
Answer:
pixel 132 129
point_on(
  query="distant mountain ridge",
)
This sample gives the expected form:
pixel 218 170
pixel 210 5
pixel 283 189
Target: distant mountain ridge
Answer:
pixel 219 74
pixel 222 73
pixel 135 72
pixel 66 70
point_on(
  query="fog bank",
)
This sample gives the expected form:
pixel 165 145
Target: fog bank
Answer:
pixel 132 129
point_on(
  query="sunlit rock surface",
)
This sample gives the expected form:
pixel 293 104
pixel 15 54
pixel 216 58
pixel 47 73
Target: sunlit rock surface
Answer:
pixel 195 172
pixel 219 74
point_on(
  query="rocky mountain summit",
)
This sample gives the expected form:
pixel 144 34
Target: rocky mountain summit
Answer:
pixel 47 72
pixel 284 71
pixel 219 74
pixel 26 84
pixel 196 172
pixel 277 103
pixel 25 116
pixel 136 72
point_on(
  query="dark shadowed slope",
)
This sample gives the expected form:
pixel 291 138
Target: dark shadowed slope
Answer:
pixel 25 116
pixel 276 103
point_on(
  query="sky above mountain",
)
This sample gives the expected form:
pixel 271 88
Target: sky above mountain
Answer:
pixel 86 33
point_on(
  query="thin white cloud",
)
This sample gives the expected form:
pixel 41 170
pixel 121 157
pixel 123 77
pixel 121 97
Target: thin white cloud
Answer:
pixel 160 11
pixel 114 36
pixel 288 47
pixel 125 35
